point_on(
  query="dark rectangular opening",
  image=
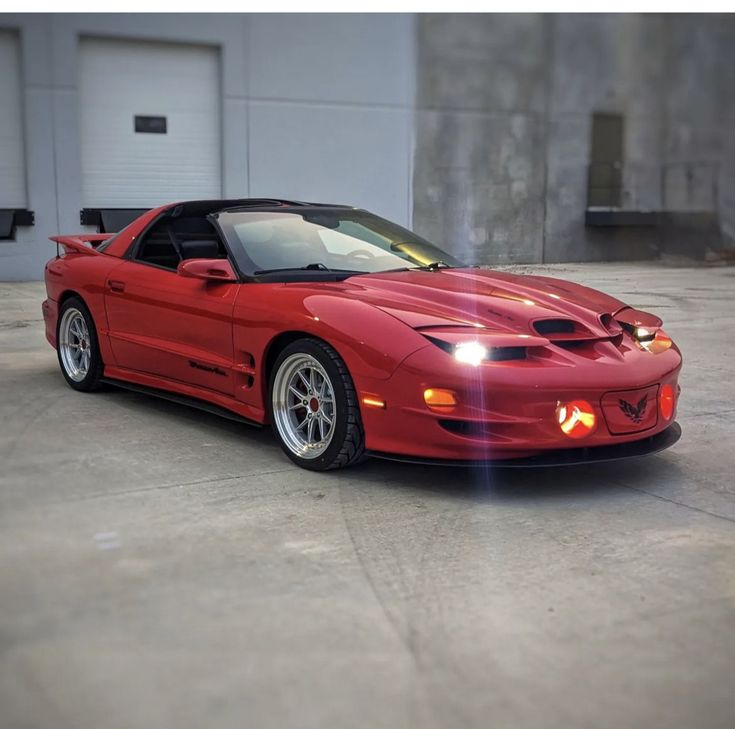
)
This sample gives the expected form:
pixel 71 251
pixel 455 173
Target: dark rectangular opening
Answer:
pixel 109 220
pixel 150 124
pixel 605 179
pixel 11 218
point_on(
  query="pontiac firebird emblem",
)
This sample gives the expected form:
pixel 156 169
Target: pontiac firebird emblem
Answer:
pixel 635 412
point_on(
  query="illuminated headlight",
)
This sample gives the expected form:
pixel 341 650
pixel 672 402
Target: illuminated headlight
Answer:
pixel 655 341
pixel 644 335
pixel 472 353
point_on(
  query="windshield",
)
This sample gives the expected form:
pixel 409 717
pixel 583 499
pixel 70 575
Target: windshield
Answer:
pixel 339 240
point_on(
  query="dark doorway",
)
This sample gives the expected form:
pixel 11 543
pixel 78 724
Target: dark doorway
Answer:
pixel 605 181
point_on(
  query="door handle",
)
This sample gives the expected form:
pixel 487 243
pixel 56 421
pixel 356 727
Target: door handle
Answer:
pixel 118 286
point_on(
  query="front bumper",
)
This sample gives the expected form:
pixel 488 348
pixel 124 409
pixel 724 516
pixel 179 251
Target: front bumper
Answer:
pixel 50 311
pixel 569 457
pixel 507 411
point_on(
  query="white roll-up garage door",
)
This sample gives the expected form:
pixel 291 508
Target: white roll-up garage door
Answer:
pixel 150 123
pixel 12 169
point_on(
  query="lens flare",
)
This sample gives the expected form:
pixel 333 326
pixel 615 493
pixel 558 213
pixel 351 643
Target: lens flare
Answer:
pixel 472 353
pixel 576 419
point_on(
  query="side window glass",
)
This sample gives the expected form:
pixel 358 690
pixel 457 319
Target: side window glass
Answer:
pixel 157 248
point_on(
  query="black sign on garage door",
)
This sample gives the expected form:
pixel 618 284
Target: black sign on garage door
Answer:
pixel 150 124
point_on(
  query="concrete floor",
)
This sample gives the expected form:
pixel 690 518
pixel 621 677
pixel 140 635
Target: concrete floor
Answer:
pixel 164 568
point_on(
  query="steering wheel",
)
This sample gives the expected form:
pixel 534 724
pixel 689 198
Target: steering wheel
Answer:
pixel 360 253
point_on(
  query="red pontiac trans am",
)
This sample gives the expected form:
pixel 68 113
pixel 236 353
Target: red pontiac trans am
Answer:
pixel 352 336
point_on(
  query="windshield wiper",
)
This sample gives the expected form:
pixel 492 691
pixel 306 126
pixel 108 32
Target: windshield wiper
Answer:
pixel 309 267
pixel 434 266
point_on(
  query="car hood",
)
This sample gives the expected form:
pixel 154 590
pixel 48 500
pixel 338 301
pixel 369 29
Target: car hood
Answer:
pixel 494 300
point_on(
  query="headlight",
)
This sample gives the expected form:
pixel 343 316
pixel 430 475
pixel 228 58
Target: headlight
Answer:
pixel 654 340
pixel 472 353
pixel 644 335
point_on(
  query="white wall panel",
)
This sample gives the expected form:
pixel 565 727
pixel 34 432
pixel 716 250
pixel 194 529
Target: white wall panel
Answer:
pixel 351 58
pixel 332 154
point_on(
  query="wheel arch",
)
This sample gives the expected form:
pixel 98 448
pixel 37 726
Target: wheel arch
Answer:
pixel 277 344
pixel 71 293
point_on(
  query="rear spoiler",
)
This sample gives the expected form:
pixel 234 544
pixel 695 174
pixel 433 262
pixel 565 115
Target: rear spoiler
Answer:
pixel 84 243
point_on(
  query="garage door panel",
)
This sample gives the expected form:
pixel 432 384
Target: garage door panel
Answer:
pixel 122 79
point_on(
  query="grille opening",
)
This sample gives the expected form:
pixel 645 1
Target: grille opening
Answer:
pixel 467 428
pixel 554 326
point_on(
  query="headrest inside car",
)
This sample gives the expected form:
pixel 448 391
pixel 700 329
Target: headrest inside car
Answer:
pixel 199 249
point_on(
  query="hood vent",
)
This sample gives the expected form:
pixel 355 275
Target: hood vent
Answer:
pixel 545 327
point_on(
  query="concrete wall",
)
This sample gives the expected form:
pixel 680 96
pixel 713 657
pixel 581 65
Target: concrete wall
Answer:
pixel 505 104
pixel 315 107
pixel 475 129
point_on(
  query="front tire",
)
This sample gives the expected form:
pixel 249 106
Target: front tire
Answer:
pixel 77 346
pixel 312 406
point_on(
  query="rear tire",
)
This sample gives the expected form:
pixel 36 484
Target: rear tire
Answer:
pixel 313 408
pixel 77 346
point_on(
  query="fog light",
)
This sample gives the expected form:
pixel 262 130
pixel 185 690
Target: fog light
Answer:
pixel 439 399
pixel 666 401
pixel 576 419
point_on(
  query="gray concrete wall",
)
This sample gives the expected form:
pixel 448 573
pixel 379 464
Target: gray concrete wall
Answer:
pixel 504 123
pixel 313 107
pixel 476 129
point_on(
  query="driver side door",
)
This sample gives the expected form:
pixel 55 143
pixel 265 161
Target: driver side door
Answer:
pixel 170 326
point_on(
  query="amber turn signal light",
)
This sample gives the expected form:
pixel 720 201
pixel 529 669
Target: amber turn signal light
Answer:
pixel 660 342
pixel 576 419
pixel 666 400
pixel 373 402
pixel 439 399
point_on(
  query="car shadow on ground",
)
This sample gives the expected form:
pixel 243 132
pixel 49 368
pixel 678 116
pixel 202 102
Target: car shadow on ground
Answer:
pixel 485 483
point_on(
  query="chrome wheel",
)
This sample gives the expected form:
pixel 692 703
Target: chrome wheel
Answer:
pixel 75 344
pixel 303 406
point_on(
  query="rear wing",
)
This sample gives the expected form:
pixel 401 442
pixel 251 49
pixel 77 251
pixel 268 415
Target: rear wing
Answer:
pixel 84 243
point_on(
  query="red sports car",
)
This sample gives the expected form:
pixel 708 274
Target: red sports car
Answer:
pixel 352 336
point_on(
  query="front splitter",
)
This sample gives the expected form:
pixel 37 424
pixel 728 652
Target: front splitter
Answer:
pixel 566 457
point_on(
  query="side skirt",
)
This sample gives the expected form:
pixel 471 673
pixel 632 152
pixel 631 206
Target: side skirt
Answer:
pixel 193 402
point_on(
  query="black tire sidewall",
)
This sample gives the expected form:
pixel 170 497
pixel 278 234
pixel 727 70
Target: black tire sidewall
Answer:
pixel 313 349
pixel 91 380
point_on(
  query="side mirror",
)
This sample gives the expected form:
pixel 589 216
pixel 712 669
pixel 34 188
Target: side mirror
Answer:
pixel 208 269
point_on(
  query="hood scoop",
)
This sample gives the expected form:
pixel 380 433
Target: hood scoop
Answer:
pixel 547 327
